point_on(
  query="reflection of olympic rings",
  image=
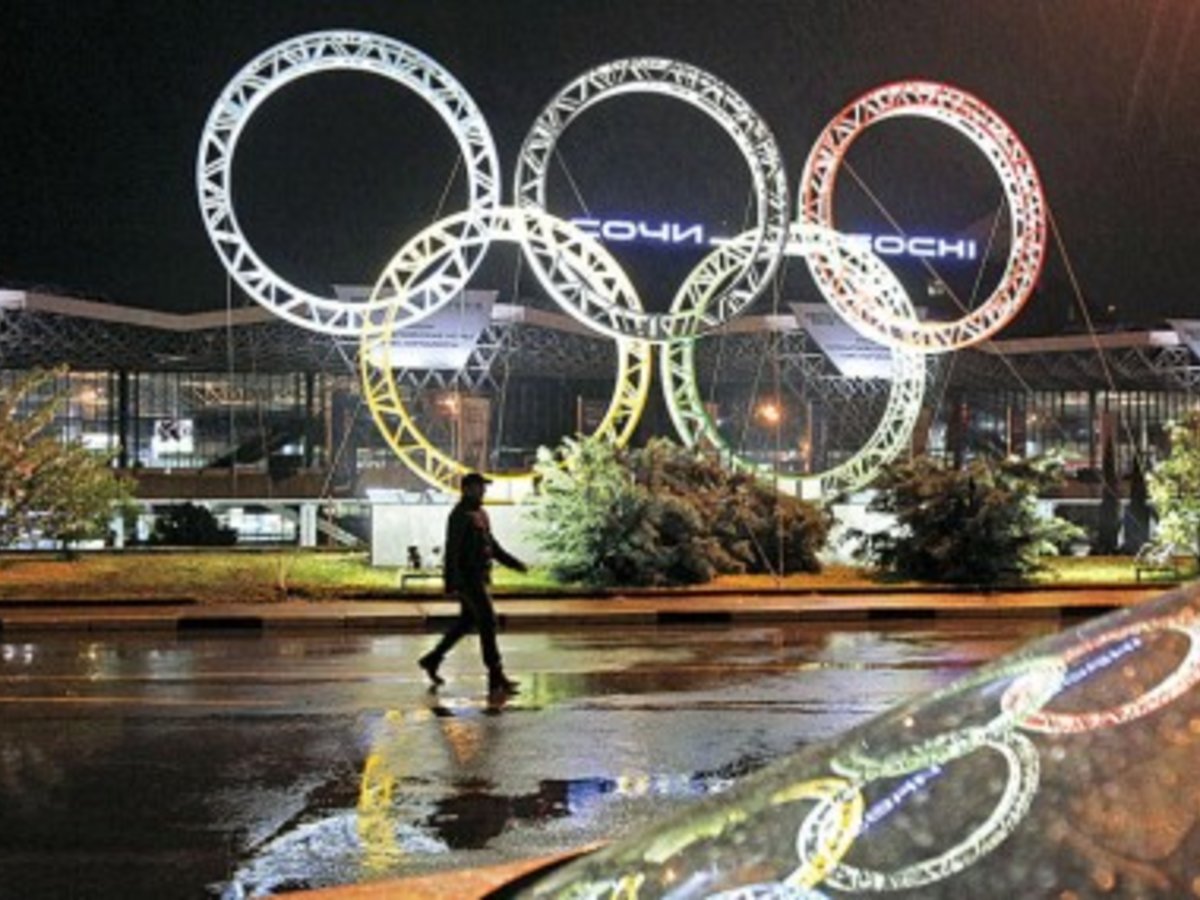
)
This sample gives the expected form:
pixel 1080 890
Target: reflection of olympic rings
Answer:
pixel 754 261
pixel 1018 178
pixel 868 276
pixel 835 824
pixel 1024 769
pixel 568 256
pixel 1180 681
pixel 284 63
pixel 840 808
pixel 1042 674
pixel 767 890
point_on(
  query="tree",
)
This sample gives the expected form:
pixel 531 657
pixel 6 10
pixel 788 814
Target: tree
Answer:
pixel 49 489
pixel 1108 530
pixel 664 515
pixel 975 524
pixel 1175 487
pixel 1137 523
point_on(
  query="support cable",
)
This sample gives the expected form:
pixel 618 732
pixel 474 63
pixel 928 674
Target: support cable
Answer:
pixel 999 352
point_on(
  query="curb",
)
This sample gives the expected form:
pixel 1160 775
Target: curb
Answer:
pixel 196 621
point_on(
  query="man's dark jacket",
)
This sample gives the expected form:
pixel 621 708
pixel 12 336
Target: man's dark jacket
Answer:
pixel 470 547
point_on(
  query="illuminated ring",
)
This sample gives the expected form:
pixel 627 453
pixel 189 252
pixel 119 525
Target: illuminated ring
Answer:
pixel 1042 674
pixel 576 258
pixel 1018 178
pixel 767 890
pixel 1024 769
pixel 755 261
pixel 1179 682
pixel 840 810
pixel 289 61
pixel 891 437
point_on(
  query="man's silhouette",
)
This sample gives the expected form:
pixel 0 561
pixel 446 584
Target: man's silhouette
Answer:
pixel 466 571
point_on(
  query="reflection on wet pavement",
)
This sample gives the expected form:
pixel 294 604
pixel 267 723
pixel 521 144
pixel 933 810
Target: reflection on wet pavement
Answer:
pixel 155 766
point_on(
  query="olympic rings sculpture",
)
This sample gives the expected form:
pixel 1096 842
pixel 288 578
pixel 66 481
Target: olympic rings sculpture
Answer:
pixel 757 258
pixel 587 283
pixel 569 256
pixel 837 815
pixel 283 64
pixel 868 276
pixel 1022 188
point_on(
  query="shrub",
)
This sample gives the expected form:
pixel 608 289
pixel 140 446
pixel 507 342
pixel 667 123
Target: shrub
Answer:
pixel 665 515
pixel 189 525
pixel 1175 487
pixel 51 489
pixel 975 524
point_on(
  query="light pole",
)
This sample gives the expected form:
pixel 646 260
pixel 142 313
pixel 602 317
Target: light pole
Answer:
pixel 770 412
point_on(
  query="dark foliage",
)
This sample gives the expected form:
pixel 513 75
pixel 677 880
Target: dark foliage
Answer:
pixel 978 524
pixel 666 515
pixel 189 525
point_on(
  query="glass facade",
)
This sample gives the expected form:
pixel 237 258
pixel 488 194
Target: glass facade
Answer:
pixel 277 425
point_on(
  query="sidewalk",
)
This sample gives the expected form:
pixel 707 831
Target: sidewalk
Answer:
pixel 428 611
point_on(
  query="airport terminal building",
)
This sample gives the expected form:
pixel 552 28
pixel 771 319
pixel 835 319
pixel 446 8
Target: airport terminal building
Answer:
pixel 265 421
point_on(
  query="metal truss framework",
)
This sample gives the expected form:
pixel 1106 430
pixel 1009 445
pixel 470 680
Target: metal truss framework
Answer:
pixel 1018 179
pixel 751 264
pixel 906 386
pixel 32 336
pixel 279 66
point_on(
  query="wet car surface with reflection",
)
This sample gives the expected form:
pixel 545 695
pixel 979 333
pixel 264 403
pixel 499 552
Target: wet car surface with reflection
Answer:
pixel 1069 769
pixel 240 765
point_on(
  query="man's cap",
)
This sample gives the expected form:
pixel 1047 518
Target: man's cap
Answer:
pixel 474 478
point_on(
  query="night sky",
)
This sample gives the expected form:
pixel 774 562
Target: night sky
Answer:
pixel 102 105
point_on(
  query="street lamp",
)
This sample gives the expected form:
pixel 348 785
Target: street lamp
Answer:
pixel 771 413
pixel 452 406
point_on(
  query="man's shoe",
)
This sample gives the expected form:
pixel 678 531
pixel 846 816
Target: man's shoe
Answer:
pixel 500 684
pixel 430 665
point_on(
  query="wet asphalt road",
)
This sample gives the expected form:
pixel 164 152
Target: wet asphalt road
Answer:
pixel 239 765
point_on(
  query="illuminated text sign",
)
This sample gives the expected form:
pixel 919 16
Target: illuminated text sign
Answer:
pixel 624 231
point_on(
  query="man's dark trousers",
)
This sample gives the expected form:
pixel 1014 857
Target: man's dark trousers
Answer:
pixel 475 611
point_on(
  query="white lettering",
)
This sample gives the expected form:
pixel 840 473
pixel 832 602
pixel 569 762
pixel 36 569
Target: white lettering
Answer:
pixel 677 233
pixel 661 233
pixel 956 248
pixel 692 233
pixel 618 230
pixel 922 246
pixel 889 245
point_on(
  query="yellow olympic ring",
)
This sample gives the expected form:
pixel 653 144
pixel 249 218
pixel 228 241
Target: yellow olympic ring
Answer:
pixel 570 255
pixel 840 803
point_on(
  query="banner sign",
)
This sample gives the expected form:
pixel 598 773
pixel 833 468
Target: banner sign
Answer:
pixel 854 355
pixel 172 437
pixel 443 340
pixel 1189 333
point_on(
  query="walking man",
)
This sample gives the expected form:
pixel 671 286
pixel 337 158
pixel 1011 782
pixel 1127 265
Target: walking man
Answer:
pixel 467 564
